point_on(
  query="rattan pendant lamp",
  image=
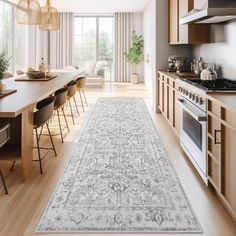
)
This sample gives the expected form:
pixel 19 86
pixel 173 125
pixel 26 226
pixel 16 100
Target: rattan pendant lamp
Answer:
pixel 49 18
pixel 28 12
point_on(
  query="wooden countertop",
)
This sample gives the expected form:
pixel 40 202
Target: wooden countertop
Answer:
pixel 175 76
pixel 227 100
pixel 29 93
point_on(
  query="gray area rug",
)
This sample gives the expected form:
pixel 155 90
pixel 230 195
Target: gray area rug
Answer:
pixel 119 179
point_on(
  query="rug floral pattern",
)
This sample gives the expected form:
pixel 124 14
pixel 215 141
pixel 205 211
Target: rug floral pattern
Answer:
pixel 119 178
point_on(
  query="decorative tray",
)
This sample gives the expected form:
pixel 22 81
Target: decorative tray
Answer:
pixel 47 78
pixel 7 92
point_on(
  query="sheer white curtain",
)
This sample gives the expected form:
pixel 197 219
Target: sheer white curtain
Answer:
pixel 61 42
pixel 123 31
pixel 56 47
pixel 38 46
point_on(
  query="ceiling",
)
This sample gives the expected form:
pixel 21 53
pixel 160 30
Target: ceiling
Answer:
pixel 97 6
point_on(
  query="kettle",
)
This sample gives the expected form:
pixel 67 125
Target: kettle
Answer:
pixel 208 74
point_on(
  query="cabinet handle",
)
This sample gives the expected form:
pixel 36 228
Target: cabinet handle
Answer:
pixel 216 139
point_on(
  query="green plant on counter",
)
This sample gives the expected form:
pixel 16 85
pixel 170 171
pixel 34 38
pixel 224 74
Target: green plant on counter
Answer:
pixel 4 63
pixel 134 55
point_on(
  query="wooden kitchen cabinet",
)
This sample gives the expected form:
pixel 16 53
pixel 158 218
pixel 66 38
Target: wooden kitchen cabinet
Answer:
pixel 160 86
pixel 222 153
pixel 167 99
pixel 178 110
pixel 185 34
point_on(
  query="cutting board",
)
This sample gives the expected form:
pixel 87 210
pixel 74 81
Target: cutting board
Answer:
pixel 25 78
pixel 7 92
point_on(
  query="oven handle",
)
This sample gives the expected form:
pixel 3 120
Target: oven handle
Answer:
pixel 198 117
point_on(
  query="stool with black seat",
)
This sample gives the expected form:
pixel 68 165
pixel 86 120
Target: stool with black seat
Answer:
pixel 72 89
pixel 41 117
pixel 61 98
pixel 6 156
pixel 4 138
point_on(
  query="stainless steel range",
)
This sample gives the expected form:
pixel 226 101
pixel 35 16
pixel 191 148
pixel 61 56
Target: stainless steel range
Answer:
pixel 193 132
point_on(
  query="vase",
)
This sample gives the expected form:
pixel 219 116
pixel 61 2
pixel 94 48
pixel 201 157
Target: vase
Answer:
pixel 134 78
pixel 2 86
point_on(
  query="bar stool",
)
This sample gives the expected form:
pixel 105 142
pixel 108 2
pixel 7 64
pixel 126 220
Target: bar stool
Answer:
pixel 4 138
pixel 41 117
pixel 72 88
pixel 61 98
pixel 81 82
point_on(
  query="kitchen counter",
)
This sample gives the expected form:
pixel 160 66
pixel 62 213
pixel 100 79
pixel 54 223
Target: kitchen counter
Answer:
pixel 175 76
pixel 227 100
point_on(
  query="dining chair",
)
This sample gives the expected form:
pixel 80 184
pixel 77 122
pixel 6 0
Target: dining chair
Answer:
pixel 61 99
pixel 4 139
pixel 41 117
pixel 72 89
pixel 81 82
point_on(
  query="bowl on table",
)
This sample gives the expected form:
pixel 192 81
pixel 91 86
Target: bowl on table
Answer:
pixel 35 74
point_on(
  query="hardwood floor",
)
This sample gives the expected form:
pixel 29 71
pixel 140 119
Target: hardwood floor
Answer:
pixel 22 209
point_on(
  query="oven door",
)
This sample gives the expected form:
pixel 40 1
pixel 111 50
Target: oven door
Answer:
pixel 193 135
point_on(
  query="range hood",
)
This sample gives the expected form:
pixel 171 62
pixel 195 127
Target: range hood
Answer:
pixel 213 11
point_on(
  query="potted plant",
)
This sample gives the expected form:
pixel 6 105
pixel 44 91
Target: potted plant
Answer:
pixel 4 63
pixel 134 55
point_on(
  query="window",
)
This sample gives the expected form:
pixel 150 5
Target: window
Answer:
pixel 105 38
pixel 85 41
pixel 6 29
pixel 93 39
pixel 20 47
pixel 13 37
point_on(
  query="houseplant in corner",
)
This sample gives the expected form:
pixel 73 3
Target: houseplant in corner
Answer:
pixel 134 55
pixel 4 63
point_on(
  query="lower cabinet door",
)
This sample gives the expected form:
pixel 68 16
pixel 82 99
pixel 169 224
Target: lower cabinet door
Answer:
pixel 177 115
pixel 228 166
pixel 171 105
pixel 166 100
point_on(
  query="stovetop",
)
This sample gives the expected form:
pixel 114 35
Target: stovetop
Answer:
pixel 222 85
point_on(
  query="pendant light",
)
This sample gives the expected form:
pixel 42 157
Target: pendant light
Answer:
pixel 28 12
pixel 49 18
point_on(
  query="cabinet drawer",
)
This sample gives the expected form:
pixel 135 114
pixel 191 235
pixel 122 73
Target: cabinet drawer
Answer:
pixel 172 82
pixel 214 137
pixel 229 117
pixel 214 108
pixel 213 125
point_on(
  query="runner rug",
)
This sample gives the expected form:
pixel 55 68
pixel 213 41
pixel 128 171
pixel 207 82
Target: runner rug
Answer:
pixel 119 179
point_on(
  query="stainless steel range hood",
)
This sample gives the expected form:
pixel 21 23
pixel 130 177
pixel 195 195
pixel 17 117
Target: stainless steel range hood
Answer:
pixel 213 11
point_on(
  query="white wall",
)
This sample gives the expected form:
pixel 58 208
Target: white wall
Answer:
pixel 222 50
pixel 155 31
pixel 149 34
pixel 138 27
pixel 163 49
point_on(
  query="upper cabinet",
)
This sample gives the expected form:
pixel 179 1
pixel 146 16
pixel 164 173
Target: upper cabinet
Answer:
pixel 185 34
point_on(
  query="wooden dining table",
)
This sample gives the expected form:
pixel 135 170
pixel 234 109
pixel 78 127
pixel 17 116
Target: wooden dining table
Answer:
pixel 17 109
